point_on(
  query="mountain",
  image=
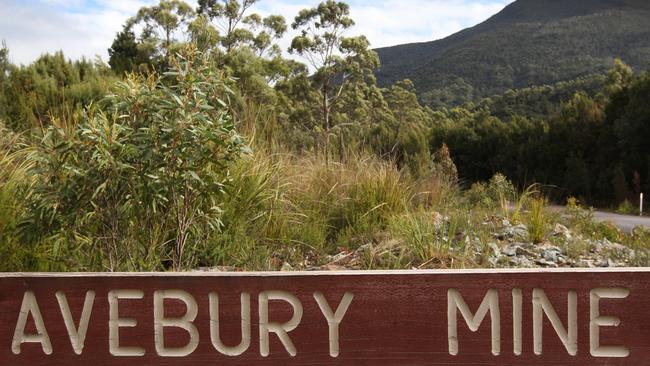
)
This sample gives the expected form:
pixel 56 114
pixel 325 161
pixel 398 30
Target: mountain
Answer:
pixel 530 42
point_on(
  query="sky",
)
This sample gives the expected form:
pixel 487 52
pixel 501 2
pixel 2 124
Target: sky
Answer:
pixel 86 28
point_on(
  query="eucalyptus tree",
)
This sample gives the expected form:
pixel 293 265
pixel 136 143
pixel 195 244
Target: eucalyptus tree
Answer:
pixel 238 27
pixel 337 60
pixel 151 36
pixel 5 69
pixel 244 44
pixel 162 21
pixel 242 40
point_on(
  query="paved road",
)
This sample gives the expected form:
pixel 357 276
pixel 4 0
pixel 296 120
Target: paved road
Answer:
pixel 626 223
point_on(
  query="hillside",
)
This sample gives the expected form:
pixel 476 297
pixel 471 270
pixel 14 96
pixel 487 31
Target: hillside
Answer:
pixel 530 42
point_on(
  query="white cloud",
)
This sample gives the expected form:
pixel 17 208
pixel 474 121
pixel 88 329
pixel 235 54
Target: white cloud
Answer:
pixel 87 28
pixel 80 30
pixel 388 22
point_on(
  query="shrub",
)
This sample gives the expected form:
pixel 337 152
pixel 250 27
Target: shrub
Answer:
pixel 538 220
pixel 420 233
pixel 15 185
pixel 141 178
pixel 627 208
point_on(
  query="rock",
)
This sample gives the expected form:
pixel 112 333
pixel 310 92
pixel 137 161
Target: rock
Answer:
pixel 563 231
pixel 365 247
pixel 332 267
pixel 494 262
pixel 510 251
pixel 545 263
pixel 607 248
pixel 551 253
pixel 339 257
pixel 605 263
pixel 509 231
pixel 522 262
pixel 514 232
pixel 438 220
pixel 550 256
pixel 521 251
pixel 496 251
pixel 587 263
pixel 216 269
pixel 521 231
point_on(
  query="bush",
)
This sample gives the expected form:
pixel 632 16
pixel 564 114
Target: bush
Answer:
pixel 15 184
pixel 141 178
pixel 499 192
pixel 538 220
pixel 627 208
pixel 353 200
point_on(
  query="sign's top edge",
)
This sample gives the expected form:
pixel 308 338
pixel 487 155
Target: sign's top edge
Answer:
pixel 324 273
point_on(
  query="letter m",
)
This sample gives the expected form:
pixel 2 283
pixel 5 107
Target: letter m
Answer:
pixel 490 303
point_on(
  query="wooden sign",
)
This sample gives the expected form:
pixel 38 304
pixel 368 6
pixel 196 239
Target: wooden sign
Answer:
pixel 527 318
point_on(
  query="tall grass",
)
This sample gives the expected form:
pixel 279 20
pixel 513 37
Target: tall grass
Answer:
pixel 279 208
pixel 287 211
pixel 352 200
pixel 15 186
pixel 538 219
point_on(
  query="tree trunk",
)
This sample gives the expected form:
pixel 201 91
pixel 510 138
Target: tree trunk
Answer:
pixel 342 147
pixel 326 116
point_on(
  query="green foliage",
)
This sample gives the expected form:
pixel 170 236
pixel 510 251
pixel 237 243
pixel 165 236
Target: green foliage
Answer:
pixel 529 43
pixel 126 55
pixel 640 242
pixel 15 184
pixel 156 151
pixel 538 219
pixel 339 61
pixel 160 22
pixel 51 89
pixel 627 208
pixel 234 28
pixel 154 176
pixel 589 146
pixel 5 69
pixel 443 166
pixel 421 234
pixel 621 188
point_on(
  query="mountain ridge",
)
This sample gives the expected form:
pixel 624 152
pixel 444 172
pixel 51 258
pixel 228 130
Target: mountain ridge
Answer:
pixel 528 43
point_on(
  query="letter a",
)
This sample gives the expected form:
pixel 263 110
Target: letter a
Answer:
pixel 30 306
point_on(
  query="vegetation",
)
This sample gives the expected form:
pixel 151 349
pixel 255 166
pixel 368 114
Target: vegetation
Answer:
pixel 529 43
pixel 200 145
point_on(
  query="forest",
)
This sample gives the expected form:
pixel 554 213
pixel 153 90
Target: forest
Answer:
pixel 536 43
pixel 200 144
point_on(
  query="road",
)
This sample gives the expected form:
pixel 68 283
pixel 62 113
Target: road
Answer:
pixel 624 222
pixel 627 223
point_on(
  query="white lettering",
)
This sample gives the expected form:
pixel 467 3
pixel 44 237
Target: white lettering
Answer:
pixel 30 306
pixel 334 319
pixel 185 322
pixel 77 335
pixel 541 306
pixel 115 323
pixel 245 326
pixel 456 302
pixel 517 304
pixel 597 321
pixel 280 329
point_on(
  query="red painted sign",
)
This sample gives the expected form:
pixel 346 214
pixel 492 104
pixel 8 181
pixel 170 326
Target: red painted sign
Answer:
pixel 575 317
